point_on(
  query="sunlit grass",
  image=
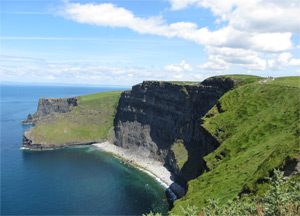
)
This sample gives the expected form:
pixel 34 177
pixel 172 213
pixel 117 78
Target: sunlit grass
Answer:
pixel 90 121
pixel 258 128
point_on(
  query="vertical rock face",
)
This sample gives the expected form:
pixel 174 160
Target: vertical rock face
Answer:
pixel 162 120
pixel 48 106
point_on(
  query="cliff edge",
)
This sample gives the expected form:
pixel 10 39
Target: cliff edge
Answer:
pixel 219 138
pixel 64 122
pixel 162 120
pixel 51 106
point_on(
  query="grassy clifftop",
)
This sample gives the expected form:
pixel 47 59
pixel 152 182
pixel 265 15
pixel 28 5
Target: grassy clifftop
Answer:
pixel 90 121
pixel 257 125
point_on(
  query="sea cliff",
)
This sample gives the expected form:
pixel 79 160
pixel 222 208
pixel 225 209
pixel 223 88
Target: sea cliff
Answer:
pixel 65 122
pixel 51 106
pixel 162 120
pixel 157 120
pixel 218 138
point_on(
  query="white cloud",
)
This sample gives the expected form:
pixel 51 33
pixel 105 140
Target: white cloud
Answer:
pixel 173 68
pixel 198 76
pixel 68 73
pixel 185 66
pixel 178 76
pixel 182 66
pixel 222 58
pixel 252 16
pixel 50 77
pixel 266 16
pixel 181 71
pixel 294 62
pixel 272 42
pixel 215 65
pixel 278 61
pixel 110 15
pixel 85 73
pixel 180 4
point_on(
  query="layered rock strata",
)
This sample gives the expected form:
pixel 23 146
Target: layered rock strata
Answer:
pixel 51 106
pixel 162 120
pixel 159 120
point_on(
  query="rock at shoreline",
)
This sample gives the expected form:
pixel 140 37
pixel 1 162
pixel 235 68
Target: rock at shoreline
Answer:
pixel 28 120
pixel 29 143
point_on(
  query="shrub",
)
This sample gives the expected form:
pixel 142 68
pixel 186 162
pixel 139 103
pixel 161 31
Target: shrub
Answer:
pixel 283 198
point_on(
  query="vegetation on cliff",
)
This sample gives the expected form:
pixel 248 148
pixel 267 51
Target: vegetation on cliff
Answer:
pixel 180 153
pixel 90 121
pixel 257 125
pixel 282 198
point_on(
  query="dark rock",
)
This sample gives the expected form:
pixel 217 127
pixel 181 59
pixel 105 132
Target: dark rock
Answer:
pixel 153 115
pixel 48 106
pixel 292 167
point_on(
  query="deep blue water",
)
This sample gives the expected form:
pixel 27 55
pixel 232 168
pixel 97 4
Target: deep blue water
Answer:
pixel 72 181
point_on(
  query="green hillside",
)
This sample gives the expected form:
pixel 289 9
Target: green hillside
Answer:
pixel 90 121
pixel 257 125
pixel 287 81
pixel 243 79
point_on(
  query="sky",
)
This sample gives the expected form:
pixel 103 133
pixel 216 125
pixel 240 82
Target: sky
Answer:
pixel 123 42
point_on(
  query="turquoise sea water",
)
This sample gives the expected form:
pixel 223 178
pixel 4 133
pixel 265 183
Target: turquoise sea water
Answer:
pixel 72 181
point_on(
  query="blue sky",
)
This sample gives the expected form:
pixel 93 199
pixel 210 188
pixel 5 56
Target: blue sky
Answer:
pixel 125 42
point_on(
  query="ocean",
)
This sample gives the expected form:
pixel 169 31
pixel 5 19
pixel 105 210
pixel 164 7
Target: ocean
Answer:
pixel 71 181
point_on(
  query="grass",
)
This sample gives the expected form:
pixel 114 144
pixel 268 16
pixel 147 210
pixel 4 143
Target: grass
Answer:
pixel 287 81
pixel 183 82
pixel 175 82
pixel 180 152
pixel 185 92
pixel 90 121
pixel 258 128
pixel 243 79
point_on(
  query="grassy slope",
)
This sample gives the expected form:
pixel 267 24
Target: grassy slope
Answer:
pixel 180 153
pixel 259 130
pixel 243 79
pixel 287 81
pixel 89 122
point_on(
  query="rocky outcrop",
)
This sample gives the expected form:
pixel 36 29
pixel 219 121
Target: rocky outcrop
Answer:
pixel 162 120
pixel 49 106
pixel 28 143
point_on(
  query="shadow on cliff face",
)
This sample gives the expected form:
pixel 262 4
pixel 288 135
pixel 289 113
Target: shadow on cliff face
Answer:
pixel 154 115
pixel 201 147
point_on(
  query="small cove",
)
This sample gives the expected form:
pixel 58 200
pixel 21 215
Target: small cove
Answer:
pixel 71 181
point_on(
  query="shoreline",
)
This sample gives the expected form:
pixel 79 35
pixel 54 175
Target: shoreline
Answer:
pixel 150 166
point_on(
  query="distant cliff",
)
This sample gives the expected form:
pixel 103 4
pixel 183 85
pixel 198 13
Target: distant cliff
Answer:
pixel 162 120
pixel 50 106
pixel 64 122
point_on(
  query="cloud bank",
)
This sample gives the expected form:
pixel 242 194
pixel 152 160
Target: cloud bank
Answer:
pixel 18 69
pixel 251 29
pixel 109 15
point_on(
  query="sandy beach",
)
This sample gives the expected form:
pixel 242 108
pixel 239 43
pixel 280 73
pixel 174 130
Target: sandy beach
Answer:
pixel 150 166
